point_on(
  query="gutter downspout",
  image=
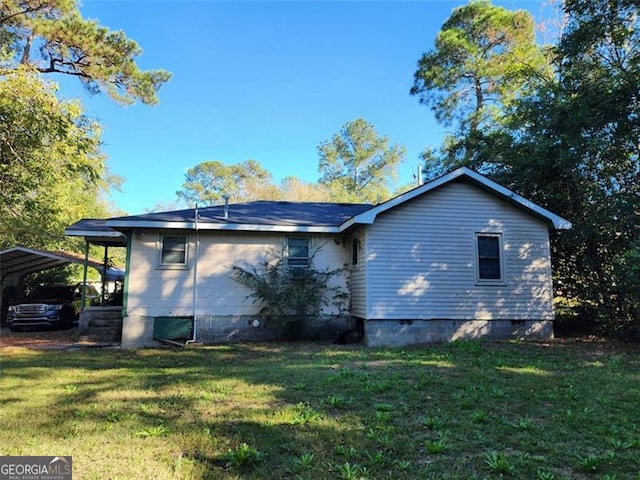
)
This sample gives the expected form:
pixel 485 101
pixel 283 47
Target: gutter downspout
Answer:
pixel 195 278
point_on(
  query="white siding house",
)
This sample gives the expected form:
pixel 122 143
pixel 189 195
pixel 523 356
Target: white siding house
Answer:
pixel 422 269
pixel 458 257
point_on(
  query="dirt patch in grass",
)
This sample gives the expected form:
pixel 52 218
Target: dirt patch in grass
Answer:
pixel 38 339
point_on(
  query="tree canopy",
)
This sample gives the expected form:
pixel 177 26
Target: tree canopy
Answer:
pixel 51 169
pixel 209 182
pixel 484 58
pixel 357 164
pixel 51 36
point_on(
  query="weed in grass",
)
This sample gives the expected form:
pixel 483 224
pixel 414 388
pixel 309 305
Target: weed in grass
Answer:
pixel 618 444
pixel 348 471
pixel 524 424
pixel 70 388
pixel 337 401
pixel 432 423
pixel 303 414
pixel 242 456
pixel 114 417
pixel 383 407
pixel 609 477
pixel 544 475
pixel 299 386
pixel 158 430
pixel 375 457
pixel 303 462
pixel 498 463
pixel 383 417
pixel 480 416
pixel 343 450
pixel 497 392
pixel 402 465
pixel 146 408
pixel 589 463
pixel 437 446
pixel 379 386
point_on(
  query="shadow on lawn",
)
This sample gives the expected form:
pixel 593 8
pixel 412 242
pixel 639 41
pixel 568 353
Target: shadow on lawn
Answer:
pixel 286 401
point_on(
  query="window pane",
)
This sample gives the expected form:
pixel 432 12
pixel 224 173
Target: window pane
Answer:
pixel 489 265
pixel 489 269
pixel 488 247
pixel 298 251
pixel 174 249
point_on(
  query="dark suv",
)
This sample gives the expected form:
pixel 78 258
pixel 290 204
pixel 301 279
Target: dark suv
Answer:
pixel 56 306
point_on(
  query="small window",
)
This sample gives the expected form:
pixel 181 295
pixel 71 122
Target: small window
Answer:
pixel 297 252
pixel 355 251
pixel 489 257
pixel 174 250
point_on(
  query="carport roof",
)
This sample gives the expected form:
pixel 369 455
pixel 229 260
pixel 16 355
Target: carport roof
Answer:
pixel 22 261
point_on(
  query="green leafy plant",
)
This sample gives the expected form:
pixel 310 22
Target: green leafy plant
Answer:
pixel 242 456
pixel 304 461
pixel 337 401
pixel 498 463
pixel 158 430
pixel 480 416
pixel 437 446
pixel 543 475
pixel 347 471
pixel 290 297
pixel 589 463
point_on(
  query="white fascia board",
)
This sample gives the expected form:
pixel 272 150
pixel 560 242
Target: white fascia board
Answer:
pixel 93 233
pixel 230 227
pixel 369 216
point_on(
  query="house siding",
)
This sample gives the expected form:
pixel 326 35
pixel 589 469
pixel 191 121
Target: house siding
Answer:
pixel 421 261
pixel 359 277
pixel 223 309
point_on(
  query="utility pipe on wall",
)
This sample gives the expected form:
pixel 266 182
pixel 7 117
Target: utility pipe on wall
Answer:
pixel 195 276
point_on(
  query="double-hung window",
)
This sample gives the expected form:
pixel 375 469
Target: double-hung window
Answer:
pixel 173 251
pixel 489 258
pixel 297 252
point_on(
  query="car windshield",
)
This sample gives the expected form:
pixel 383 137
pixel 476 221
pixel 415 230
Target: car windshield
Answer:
pixel 52 293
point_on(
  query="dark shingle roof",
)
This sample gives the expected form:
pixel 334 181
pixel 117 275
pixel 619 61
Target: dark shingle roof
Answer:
pixel 260 213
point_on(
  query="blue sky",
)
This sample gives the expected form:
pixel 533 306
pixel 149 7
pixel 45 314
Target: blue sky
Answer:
pixel 263 80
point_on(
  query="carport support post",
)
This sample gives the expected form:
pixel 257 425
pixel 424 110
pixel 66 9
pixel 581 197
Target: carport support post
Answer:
pixel 104 273
pixel 84 274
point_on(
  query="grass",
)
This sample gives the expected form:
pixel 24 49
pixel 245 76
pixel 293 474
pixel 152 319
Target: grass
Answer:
pixel 466 410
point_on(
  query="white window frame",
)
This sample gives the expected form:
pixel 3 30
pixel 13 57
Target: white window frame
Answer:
pixel 490 281
pixel 161 263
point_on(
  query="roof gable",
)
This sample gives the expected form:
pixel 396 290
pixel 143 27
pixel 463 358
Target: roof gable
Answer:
pixel 462 174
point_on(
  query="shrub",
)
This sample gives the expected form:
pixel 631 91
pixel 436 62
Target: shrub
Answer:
pixel 289 297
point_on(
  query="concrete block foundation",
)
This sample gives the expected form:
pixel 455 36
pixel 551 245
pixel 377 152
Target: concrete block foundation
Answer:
pixel 410 332
pixel 137 330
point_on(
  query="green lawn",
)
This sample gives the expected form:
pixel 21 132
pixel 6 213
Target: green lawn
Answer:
pixel 466 410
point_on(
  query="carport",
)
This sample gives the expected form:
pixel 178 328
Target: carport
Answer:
pixel 17 262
